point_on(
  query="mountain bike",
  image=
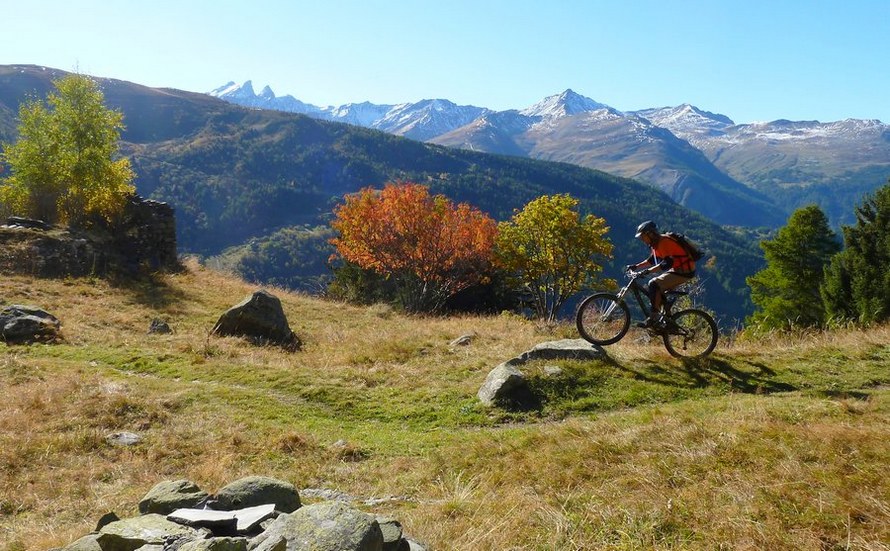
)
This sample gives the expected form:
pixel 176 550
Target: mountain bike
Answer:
pixel 604 318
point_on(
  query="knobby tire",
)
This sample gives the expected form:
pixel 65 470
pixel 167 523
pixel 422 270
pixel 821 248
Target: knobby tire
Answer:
pixel 691 333
pixel 602 319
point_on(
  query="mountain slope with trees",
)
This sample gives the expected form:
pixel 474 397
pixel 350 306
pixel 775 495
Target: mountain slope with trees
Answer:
pixel 234 174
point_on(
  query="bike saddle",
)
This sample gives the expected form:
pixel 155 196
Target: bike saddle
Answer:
pixel 676 293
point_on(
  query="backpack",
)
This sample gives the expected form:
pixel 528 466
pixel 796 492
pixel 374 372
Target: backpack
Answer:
pixel 693 250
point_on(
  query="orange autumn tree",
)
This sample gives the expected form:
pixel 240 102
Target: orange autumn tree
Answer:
pixel 430 246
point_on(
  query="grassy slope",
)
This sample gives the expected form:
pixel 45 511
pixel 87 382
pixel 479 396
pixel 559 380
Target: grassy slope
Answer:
pixel 772 445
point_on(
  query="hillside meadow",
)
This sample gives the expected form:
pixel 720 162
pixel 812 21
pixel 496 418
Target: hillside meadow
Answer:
pixel 776 443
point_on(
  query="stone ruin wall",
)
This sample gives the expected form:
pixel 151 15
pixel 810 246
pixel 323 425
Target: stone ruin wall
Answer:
pixel 148 238
pixel 143 241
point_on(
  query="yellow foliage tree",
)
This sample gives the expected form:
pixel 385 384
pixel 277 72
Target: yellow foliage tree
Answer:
pixel 552 251
pixel 63 166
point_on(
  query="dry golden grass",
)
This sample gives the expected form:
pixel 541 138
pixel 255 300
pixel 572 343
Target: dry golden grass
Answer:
pixel 776 444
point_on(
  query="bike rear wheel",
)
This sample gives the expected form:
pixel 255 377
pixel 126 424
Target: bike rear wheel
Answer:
pixel 690 333
pixel 602 318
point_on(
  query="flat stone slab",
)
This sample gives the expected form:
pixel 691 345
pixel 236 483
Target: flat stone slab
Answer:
pixel 250 517
pixel 242 520
pixel 204 517
pixel 565 349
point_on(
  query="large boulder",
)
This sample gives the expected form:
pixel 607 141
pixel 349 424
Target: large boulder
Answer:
pixel 326 526
pixel 507 386
pixel 27 324
pixel 132 533
pixel 170 495
pixel 258 490
pixel 504 384
pixel 261 319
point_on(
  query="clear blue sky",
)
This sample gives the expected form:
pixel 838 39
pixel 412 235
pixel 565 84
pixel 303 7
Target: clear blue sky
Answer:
pixel 752 60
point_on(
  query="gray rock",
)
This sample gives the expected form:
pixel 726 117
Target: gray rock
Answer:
pixel 216 544
pixel 392 534
pixel 27 324
pixel 566 349
pixel 133 533
pixel 171 495
pixel 272 543
pixel 463 340
pixel 261 319
pixel 504 384
pixel 258 490
pixel 159 327
pixel 87 543
pixel 552 370
pixel 21 222
pixel 325 526
pixel 414 546
pixel 123 439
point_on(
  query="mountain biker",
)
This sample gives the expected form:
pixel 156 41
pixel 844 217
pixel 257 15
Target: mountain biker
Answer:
pixel 668 257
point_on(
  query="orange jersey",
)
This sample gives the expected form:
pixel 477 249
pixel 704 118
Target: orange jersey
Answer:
pixel 668 248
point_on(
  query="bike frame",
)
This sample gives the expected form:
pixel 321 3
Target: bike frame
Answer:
pixel 638 291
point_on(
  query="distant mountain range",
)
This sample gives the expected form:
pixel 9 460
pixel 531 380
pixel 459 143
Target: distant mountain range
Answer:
pixel 419 121
pixel 748 174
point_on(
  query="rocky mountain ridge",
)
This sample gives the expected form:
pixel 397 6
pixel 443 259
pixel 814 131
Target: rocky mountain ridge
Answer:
pixel 767 168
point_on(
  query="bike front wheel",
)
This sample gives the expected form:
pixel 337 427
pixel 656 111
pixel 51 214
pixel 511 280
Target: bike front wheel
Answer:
pixel 602 319
pixel 690 333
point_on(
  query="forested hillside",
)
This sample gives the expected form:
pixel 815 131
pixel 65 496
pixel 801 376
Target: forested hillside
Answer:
pixel 233 174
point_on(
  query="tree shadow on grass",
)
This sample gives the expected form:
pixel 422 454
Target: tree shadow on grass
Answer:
pixel 150 290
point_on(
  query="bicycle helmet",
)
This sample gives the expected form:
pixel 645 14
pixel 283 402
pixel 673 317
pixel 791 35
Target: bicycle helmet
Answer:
pixel 646 227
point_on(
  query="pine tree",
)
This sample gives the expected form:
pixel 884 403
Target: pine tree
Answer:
pixel 786 292
pixel 857 283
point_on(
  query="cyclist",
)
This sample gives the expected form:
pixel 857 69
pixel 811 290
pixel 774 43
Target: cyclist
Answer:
pixel 668 257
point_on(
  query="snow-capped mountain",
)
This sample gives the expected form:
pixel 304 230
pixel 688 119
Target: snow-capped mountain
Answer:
pixel 420 121
pixel 426 119
pixel 782 151
pixel 570 128
pixel 566 104
pixel 688 122
pixel 359 114
pixel 702 159
pixel 710 131
pixel 243 94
